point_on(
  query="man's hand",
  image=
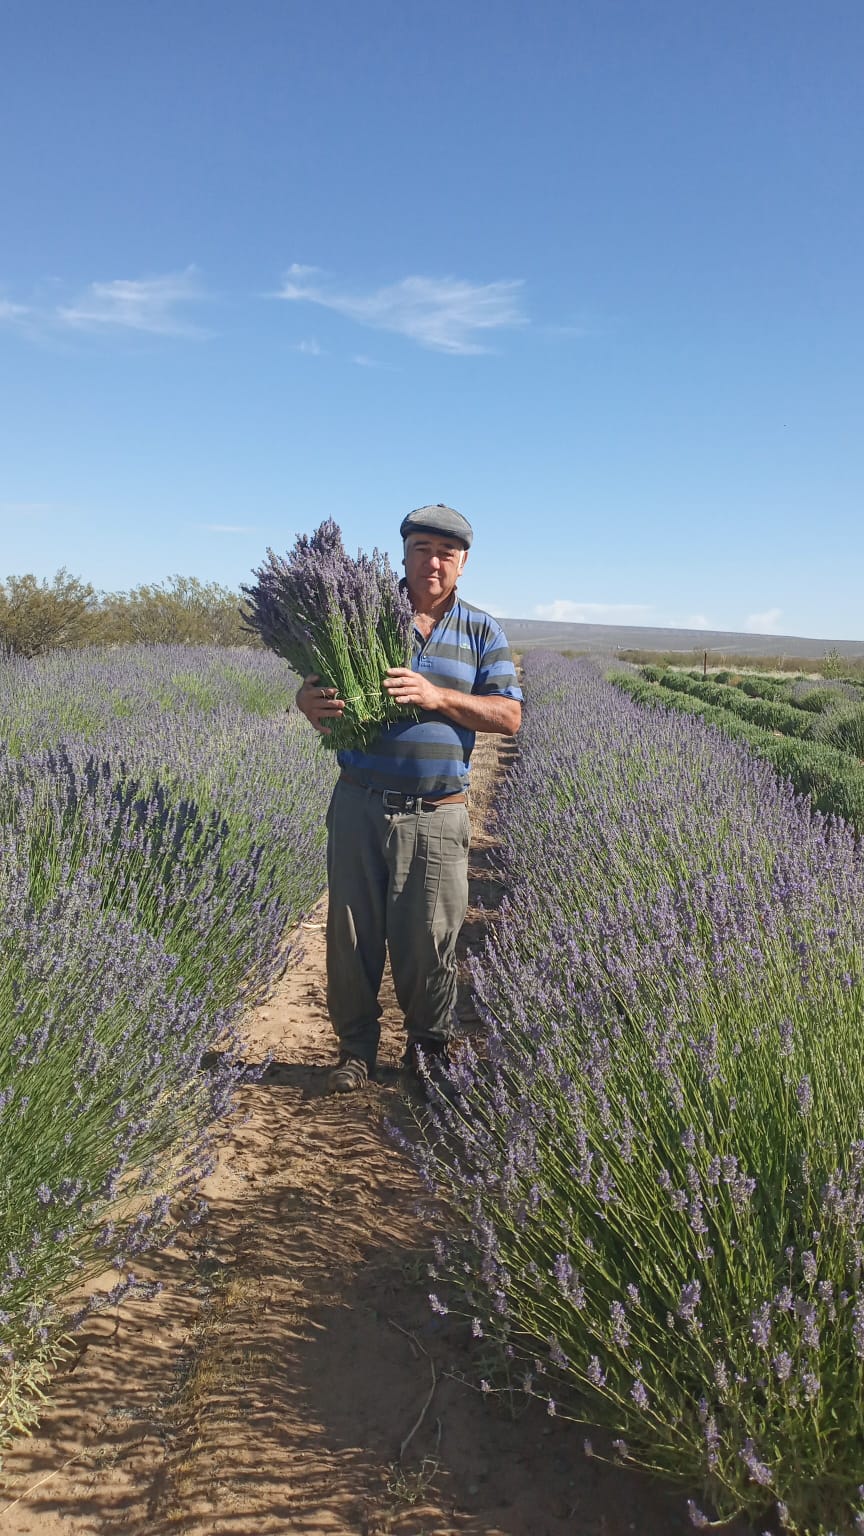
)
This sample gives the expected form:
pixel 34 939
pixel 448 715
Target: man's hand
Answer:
pixel 408 687
pixel 477 712
pixel 318 703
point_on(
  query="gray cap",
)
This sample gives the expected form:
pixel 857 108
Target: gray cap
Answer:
pixel 438 519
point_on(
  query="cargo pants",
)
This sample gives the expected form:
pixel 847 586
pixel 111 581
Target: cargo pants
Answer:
pixel 398 882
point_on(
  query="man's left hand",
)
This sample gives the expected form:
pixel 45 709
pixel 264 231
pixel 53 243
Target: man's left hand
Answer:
pixel 408 687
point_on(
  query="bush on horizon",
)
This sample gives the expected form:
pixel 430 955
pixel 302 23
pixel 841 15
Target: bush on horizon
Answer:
pixel 67 613
pixel 851 667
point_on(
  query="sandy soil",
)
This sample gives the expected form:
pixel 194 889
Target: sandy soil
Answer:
pixel 291 1378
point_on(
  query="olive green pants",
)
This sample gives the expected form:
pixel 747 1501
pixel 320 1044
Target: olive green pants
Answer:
pixel 398 882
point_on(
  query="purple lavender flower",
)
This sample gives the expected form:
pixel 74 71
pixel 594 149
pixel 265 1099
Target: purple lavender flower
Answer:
pixel 620 1326
pixel 858 1325
pixel 688 1302
pixel 556 1353
pixel 810 1327
pixel 757 1469
pixel 786 1031
pixel 760 1326
pixel 783 1365
pixel 808 1266
pixel 811 1384
pixel 595 1373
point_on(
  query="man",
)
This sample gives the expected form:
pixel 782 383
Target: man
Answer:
pixel 398 827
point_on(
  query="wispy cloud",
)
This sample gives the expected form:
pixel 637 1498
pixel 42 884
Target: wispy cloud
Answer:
pixel 763 623
pixel 579 326
pixel 565 611
pixel 227 527
pixel 311 348
pixel 445 314
pixel 150 304
pixel 498 610
pixel 27 508
pixel 12 314
pixel 361 360
pixel 566 332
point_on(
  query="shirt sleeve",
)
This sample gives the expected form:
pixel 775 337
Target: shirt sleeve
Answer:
pixel 496 673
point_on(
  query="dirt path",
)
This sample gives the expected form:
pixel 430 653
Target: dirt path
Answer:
pixel 292 1352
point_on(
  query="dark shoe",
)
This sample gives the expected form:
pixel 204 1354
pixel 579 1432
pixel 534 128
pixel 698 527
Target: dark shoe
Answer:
pixel 351 1073
pixel 429 1079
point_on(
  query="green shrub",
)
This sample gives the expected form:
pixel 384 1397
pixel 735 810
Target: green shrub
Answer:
pixel 763 688
pixel 832 663
pixel 762 712
pixel 844 728
pixel 38 616
pixel 817 700
pixel 833 780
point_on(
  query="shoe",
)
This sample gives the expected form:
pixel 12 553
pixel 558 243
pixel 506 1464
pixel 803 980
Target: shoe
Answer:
pixel 430 1079
pixel 351 1073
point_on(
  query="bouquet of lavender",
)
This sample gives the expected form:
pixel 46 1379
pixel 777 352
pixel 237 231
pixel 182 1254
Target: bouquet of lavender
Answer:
pixel 346 620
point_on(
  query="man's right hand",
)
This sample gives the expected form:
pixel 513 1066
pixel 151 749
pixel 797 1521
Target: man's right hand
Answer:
pixel 317 703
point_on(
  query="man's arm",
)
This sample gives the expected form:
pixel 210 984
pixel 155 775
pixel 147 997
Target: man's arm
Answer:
pixel 474 711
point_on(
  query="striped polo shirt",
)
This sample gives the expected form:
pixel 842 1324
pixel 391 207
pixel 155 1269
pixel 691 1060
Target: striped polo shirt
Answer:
pixel 466 650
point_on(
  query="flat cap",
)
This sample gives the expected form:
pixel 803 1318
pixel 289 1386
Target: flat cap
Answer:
pixel 438 519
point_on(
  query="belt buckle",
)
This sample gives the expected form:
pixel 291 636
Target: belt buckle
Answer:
pixel 393 801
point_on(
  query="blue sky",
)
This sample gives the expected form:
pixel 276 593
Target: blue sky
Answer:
pixel 589 271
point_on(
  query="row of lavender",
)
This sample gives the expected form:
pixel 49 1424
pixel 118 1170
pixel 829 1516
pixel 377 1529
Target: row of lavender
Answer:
pixel 160 827
pixel 657 1177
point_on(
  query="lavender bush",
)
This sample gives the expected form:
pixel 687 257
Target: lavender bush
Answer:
pixel 346 620
pixel 843 728
pixel 654 1186
pixel 104 1111
pixel 150 863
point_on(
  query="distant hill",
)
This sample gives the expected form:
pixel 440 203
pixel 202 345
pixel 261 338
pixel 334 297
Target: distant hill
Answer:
pixel 526 634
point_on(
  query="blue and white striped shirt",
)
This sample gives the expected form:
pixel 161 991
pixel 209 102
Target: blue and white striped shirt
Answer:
pixel 467 650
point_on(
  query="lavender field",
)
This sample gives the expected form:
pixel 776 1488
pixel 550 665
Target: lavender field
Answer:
pixel 652 1184
pixel 161 827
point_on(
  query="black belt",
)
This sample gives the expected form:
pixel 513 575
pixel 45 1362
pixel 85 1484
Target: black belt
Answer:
pixel 394 801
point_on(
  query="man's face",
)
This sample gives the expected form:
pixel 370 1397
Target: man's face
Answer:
pixel 433 564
